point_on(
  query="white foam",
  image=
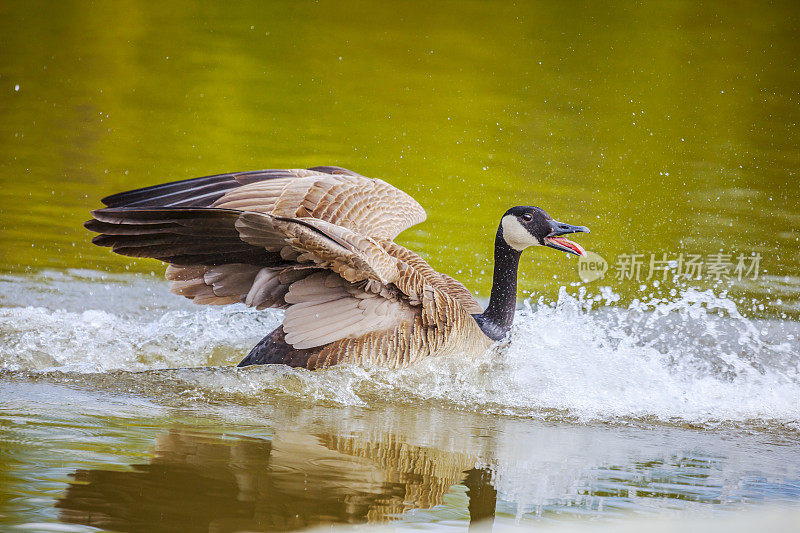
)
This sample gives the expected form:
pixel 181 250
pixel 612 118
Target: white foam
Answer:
pixel 692 357
pixel 118 324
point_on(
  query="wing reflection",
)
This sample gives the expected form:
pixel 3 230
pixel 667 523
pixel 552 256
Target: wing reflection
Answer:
pixel 221 483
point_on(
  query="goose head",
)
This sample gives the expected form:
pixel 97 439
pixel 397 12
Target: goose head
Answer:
pixel 525 226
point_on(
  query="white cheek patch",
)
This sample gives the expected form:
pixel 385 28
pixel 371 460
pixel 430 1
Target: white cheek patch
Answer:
pixel 516 235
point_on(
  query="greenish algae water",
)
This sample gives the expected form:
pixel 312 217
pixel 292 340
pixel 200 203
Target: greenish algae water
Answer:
pixel 667 128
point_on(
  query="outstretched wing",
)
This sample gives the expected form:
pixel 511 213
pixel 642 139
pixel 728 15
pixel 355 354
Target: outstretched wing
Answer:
pixel 316 242
pixel 369 206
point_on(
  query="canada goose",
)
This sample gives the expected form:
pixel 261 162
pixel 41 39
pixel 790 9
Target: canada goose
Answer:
pixel 319 243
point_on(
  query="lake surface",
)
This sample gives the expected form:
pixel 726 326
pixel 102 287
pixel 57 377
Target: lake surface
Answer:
pixel 670 387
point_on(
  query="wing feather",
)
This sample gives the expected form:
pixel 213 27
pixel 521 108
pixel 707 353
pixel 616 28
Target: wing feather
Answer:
pixel 334 194
pixel 317 242
pixel 194 192
pixel 324 308
pixel 349 254
pixel 180 236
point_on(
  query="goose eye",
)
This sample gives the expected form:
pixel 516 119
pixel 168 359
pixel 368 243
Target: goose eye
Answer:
pixel 527 217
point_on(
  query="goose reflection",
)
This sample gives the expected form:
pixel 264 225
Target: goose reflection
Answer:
pixel 213 482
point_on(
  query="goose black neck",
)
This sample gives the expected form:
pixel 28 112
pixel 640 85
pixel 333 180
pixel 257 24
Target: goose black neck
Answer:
pixel 496 320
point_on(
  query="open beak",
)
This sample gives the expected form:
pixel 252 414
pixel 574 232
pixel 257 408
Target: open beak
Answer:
pixel 554 239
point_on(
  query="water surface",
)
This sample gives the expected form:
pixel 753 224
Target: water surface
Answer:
pixel 668 128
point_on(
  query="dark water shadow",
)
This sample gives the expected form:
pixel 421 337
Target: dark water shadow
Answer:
pixel 220 483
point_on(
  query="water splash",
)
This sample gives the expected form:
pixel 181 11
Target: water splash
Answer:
pixel 691 357
pixel 86 323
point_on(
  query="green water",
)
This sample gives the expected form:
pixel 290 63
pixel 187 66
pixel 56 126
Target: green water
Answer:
pixel 668 128
pixel 665 127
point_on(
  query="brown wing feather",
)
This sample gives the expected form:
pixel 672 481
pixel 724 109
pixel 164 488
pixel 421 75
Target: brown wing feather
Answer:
pixel 334 194
pixel 436 279
pixel 457 290
pixel 181 236
pixel 195 192
pixel 236 283
pixel 315 241
pixel 371 207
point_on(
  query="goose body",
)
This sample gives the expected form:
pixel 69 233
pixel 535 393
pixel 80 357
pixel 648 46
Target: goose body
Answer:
pixel 319 243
